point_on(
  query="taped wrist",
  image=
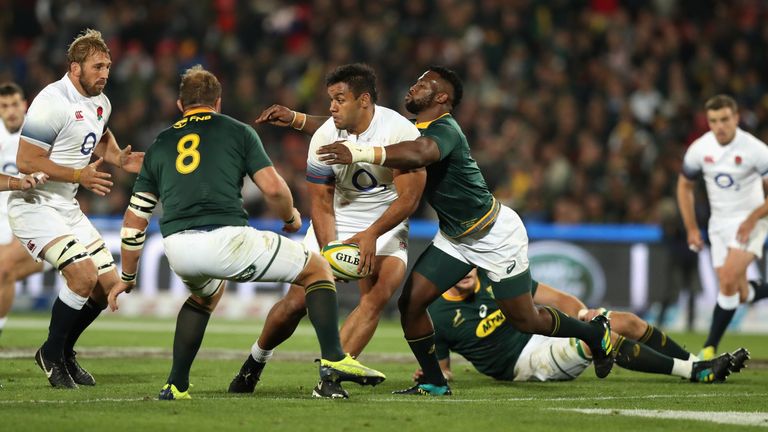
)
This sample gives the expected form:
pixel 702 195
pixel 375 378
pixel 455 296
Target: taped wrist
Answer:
pixel 372 155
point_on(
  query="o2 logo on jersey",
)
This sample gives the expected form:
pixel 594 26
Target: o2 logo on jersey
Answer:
pixel 363 180
pixel 10 168
pixel 724 181
pixel 89 143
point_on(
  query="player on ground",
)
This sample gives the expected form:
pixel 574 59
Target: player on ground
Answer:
pixel 195 169
pixel 65 125
pixel 15 262
pixel 364 204
pixel 734 165
pixel 475 230
pixel 468 321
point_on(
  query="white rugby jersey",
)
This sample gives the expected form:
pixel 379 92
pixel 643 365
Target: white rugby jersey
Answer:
pixel 68 125
pixel 363 191
pixel 733 174
pixel 9 144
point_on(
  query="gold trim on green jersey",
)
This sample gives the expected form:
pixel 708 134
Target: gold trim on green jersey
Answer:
pixel 484 222
pixel 424 125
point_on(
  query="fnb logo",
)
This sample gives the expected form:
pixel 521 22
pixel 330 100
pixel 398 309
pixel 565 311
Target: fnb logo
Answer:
pixel 31 246
pixel 79 115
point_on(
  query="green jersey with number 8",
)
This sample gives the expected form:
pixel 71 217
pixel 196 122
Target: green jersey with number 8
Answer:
pixel 196 168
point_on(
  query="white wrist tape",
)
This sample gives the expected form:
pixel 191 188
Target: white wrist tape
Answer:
pixel 365 154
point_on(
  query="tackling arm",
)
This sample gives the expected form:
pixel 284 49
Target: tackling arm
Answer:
pixel 279 115
pixel 405 155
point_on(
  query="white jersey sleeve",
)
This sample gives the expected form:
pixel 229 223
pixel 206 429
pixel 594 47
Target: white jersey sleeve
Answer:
pixel 317 171
pixel 46 117
pixel 692 161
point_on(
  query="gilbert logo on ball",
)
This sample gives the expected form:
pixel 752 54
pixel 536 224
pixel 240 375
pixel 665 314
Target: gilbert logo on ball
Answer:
pixel 344 259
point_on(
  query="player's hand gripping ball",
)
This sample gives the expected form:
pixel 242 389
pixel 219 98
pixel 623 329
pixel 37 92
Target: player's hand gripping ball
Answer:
pixel 344 259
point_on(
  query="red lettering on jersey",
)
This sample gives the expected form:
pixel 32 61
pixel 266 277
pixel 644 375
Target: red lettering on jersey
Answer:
pixel 79 115
pixel 738 160
pixel 709 159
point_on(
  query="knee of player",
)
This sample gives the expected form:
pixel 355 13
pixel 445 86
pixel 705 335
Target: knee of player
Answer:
pixel 373 304
pixel 317 269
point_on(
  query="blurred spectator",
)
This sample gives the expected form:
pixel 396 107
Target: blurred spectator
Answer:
pixel 570 106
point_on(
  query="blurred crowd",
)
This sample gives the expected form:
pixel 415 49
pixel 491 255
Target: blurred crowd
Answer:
pixel 576 110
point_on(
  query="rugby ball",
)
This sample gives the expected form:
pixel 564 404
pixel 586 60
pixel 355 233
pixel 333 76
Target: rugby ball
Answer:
pixel 344 259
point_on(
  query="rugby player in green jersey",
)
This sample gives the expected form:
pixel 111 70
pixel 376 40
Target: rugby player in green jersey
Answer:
pixel 195 169
pixel 468 321
pixel 475 230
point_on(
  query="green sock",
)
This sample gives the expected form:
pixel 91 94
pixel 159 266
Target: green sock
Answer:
pixel 638 357
pixel 190 329
pixel 659 341
pixel 424 350
pixel 323 311
pixel 565 326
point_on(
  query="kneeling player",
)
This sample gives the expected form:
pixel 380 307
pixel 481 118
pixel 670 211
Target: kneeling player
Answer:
pixel 468 321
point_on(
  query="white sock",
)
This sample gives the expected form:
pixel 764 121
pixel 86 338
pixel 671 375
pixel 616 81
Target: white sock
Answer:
pixel 728 302
pixel 71 298
pixel 3 320
pixel 682 368
pixel 260 355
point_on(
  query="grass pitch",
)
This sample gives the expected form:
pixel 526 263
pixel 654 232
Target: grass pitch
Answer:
pixel 130 359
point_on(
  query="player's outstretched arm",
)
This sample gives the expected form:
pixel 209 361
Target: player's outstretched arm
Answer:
pixel 114 155
pixel 278 115
pixel 418 153
pixel 132 236
pixel 8 183
pixel 278 197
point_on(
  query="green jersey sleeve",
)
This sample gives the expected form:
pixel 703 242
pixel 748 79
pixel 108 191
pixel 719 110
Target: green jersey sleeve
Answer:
pixel 255 156
pixel 444 135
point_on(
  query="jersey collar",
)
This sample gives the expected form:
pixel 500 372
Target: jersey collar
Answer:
pixel 197 110
pixel 457 298
pixel 424 125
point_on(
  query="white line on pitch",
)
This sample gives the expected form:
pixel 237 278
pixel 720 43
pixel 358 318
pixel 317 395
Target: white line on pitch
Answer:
pixel 732 418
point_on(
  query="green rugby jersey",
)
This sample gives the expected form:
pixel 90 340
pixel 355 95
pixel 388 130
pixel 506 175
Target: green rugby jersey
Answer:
pixel 455 186
pixel 196 169
pixel 475 328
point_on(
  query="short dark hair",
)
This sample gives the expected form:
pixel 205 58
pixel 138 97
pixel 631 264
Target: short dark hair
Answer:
pixel 721 101
pixel 360 78
pixel 10 89
pixel 453 78
pixel 198 87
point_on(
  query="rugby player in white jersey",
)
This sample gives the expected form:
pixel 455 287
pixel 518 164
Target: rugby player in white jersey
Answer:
pixel 364 204
pixel 65 125
pixel 734 165
pixel 15 262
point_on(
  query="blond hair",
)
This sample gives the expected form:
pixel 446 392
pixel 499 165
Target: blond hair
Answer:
pixel 86 44
pixel 198 87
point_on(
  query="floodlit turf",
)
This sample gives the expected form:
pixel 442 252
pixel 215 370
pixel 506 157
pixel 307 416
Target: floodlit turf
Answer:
pixel 130 360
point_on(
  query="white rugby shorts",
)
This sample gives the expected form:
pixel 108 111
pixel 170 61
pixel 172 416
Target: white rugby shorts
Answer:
pixel 724 238
pixel 501 251
pixel 36 224
pixel 236 253
pixel 550 359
